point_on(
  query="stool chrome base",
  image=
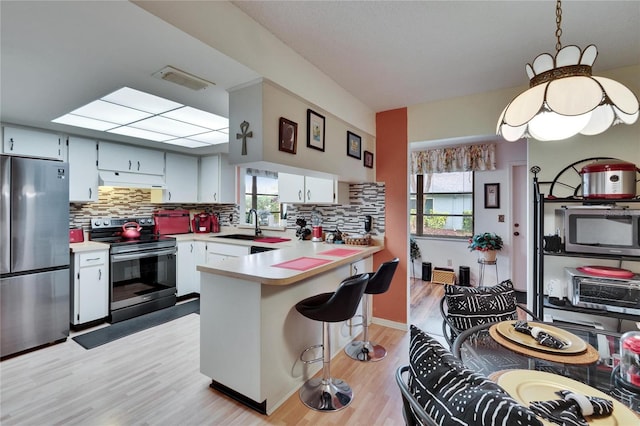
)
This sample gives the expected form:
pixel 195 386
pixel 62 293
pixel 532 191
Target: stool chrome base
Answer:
pixel 326 395
pixel 365 351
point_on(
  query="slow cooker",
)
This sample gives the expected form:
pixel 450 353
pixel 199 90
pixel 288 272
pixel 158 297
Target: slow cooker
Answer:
pixel 609 179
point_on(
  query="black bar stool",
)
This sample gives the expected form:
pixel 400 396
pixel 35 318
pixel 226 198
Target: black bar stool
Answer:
pixel 364 350
pixel 327 393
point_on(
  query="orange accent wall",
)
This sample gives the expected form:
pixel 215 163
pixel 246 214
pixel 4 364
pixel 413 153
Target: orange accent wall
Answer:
pixel 391 168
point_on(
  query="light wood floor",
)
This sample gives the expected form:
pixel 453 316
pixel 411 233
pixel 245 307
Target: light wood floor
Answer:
pixel 153 378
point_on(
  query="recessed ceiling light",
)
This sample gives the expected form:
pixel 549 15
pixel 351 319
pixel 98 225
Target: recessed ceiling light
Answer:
pixel 138 114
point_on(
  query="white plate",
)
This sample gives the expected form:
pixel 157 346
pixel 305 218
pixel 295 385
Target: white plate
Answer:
pixel 576 344
pixel 526 386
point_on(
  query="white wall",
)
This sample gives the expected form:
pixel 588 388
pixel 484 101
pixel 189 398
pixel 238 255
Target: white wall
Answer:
pixel 477 115
pixel 440 251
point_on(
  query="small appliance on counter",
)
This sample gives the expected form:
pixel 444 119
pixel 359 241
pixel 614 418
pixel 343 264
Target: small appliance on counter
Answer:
pixel 302 231
pixel 169 222
pixel 76 235
pixel 609 179
pixel 604 288
pixel 215 222
pixel 316 228
pixel 201 223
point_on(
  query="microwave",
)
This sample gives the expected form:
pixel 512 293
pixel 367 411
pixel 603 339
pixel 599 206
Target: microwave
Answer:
pixel 597 230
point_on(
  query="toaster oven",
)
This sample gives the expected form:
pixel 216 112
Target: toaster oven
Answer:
pixel 604 293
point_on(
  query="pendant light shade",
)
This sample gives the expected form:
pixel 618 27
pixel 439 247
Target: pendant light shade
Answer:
pixel 564 99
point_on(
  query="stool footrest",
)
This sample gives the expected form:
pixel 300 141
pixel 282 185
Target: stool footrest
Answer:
pixel 310 348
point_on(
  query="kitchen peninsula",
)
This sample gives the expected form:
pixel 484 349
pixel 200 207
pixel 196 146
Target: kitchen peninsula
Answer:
pixel 251 336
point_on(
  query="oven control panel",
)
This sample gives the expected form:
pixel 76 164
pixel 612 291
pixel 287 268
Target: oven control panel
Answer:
pixel 109 222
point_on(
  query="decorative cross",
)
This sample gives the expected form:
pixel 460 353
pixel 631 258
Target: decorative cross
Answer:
pixel 244 126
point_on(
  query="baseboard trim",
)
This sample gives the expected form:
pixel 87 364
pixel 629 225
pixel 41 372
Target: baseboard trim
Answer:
pixel 391 324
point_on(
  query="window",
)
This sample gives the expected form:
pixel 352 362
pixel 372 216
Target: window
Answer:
pixel 441 205
pixel 261 193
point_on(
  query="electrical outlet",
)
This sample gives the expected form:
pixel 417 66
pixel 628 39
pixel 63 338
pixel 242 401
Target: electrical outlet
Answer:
pixel 500 218
pixel 449 262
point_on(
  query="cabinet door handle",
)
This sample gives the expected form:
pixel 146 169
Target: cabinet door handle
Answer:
pixel 92 259
pixel 11 146
pixel 138 166
pixel 100 274
pixel 215 196
pixel 169 195
pixel 300 195
pixel 308 194
pixel 355 269
pixel 192 248
pixel 90 192
pixel 129 164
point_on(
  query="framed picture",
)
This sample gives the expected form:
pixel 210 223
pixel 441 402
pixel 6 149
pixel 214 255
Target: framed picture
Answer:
pixel 491 195
pixel 288 140
pixel 354 145
pixel 315 130
pixel 368 159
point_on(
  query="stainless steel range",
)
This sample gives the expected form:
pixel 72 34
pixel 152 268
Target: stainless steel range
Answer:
pixel 142 265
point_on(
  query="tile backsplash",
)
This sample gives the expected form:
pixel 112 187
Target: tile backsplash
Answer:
pixel 364 199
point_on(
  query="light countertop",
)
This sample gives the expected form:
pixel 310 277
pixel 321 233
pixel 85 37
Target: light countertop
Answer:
pixel 259 267
pixel 87 246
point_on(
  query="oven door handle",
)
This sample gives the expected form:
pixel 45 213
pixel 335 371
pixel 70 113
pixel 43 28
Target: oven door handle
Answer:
pixel 130 256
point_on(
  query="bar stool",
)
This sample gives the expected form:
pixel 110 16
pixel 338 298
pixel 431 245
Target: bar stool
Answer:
pixel 364 350
pixel 327 393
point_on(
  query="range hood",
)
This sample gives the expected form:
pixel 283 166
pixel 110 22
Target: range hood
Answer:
pixel 131 180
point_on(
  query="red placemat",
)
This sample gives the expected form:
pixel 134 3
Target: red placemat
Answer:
pixel 340 252
pixel 271 240
pixel 302 263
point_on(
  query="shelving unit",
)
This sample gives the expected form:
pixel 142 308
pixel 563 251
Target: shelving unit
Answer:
pixel 541 301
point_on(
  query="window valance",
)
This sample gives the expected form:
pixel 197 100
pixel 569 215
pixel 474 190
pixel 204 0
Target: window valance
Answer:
pixel 456 159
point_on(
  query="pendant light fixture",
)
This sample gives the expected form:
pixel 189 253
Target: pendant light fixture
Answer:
pixel 564 99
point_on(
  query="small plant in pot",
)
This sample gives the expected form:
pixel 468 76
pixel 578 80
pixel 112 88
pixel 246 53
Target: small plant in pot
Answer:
pixel 488 244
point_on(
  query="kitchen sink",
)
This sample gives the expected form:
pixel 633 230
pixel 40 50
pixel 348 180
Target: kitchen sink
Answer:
pixel 245 237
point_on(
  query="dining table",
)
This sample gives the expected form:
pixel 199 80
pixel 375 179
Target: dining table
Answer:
pixel 593 362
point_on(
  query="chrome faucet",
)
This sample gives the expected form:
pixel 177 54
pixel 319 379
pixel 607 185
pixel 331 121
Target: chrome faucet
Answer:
pixel 255 213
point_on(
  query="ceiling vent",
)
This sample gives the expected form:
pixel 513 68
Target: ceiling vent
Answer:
pixel 182 78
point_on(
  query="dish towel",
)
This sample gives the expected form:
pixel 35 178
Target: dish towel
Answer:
pixel 571 409
pixel 540 335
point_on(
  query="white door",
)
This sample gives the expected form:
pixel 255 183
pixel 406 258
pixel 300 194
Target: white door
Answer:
pixel 519 226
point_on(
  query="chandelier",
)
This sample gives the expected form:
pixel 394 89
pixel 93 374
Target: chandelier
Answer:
pixel 564 99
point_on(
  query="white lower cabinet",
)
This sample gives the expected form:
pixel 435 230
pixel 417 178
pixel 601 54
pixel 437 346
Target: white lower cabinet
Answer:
pixel 190 255
pixel 90 295
pixel 217 251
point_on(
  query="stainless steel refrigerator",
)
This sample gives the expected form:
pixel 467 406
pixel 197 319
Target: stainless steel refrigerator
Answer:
pixel 34 253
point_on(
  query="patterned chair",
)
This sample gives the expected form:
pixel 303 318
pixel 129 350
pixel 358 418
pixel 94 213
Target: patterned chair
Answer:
pixel 442 391
pixel 465 307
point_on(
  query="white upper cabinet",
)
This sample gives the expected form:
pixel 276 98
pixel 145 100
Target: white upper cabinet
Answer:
pixel 297 189
pixel 83 169
pixel 181 178
pixel 33 143
pixel 217 181
pixel 290 188
pixel 131 159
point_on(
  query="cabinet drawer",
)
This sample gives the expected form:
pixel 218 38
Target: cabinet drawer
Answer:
pixel 93 258
pixel 227 249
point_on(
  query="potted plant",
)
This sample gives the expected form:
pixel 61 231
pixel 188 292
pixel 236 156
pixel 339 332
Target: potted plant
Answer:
pixel 488 244
pixel 414 252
